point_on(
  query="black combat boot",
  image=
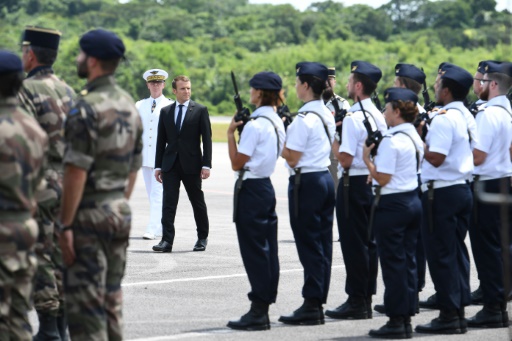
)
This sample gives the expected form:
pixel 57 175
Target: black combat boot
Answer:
pixel 393 329
pixel 477 296
pixel 408 327
pixel 48 330
pixel 448 322
pixel 491 316
pixel 310 313
pixel 255 319
pixel 380 308
pixel 430 303
pixel 353 309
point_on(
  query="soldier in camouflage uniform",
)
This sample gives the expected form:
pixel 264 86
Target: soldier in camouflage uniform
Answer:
pixel 48 99
pixel 103 135
pixel 23 145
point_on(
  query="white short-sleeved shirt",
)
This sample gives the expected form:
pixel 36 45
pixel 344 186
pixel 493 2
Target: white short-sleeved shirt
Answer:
pixel 354 134
pixel 448 135
pixel 397 156
pixel 307 135
pixel 494 138
pixel 259 141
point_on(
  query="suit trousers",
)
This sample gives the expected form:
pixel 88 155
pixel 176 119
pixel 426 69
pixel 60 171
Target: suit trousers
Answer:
pixel 447 255
pixel 171 184
pixel 256 227
pixel 357 240
pixel 312 230
pixel 397 221
pixel 154 189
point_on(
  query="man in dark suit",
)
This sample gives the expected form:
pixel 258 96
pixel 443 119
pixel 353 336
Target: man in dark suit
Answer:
pixel 181 128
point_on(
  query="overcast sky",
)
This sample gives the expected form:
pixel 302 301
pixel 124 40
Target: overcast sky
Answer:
pixel 303 4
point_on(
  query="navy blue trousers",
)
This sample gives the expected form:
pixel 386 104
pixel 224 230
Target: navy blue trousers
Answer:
pixel 421 259
pixel 256 227
pixel 485 237
pixel 358 248
pixel 396 225
pixel 447 255
pixel 312 230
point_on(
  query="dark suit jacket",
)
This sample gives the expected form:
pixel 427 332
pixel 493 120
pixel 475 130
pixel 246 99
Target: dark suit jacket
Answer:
pixel 186 143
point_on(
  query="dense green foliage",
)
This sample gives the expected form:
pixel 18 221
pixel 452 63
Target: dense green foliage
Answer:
pixel 205 39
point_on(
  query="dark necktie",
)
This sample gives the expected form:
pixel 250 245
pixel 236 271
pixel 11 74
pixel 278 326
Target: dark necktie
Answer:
pixel 153 106
pixel 178 120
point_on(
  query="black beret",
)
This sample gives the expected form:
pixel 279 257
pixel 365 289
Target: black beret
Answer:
pixel 457 74
pixel 266 81
pixel 42 37
pixel 400 94
pixel 367 69
pixel 102 44
pixel 9 62
pixel 498 67
pixel 410 71
pixel 312 69
pixel 331 72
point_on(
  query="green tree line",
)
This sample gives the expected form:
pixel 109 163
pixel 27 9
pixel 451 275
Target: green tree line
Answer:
pixel 207 39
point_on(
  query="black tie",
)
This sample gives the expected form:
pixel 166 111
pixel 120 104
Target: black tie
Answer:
pixel 178 120
pixel 153 106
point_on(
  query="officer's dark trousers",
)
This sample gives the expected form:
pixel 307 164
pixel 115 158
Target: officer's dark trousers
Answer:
pixel 256 227
pixel 312 230
pixel 447 255
pixel 485 237
pixel 358 248
pixel 171 195
pixel 397 221
pixel 421 260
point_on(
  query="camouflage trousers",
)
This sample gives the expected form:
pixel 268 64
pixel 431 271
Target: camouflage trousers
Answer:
pixel 18 233
pixel 93 282
pixel 48 290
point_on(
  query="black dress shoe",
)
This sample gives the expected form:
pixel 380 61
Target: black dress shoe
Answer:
pixel 163 246
pixel 353 309
pixel 477 296
pixel 380 308
pixel 430 303
pixel 255 319
pixel 310 313
pixel 448 322
pixel 393 329
pixel 491 316
pixel 201 245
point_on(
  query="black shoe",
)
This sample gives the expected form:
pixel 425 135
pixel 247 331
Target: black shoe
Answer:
pixel 408 327
pixel 393 329
pixel 380 308
pixel 201 245
pixel 163 246
pixel 448 322
pixel 491 316
pixel 477 296
pixel 430 303
pixel 255 319
pixel 353 309
pixel 310 313
pixel 48 329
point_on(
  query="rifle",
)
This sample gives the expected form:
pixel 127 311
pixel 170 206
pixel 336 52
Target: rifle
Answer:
pixel 285 115
pixel 242 113
pixel 374 137
pixel 428 105
pixel 376 100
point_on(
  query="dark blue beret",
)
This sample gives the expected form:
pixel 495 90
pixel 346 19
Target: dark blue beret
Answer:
pixel 457 74
pixel 410 71
pixel 331 72
pixel 498 67
pixel 367 69
pixel 42 37
pixel 9 62
pixel 400 94
pixel 102 44
pixel 266 81
pixel 312 69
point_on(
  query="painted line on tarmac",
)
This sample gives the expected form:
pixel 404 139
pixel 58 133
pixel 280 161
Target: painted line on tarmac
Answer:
pixel 207 278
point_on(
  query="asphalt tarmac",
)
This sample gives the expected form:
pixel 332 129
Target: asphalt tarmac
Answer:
pixel 192 295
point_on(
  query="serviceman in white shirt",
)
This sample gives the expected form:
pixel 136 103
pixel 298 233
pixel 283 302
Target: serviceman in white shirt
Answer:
pixel 149 110
pixel 493 167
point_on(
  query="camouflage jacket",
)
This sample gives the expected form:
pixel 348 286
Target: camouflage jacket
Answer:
pixel 23 146
pixel 48 99
pixel 103 135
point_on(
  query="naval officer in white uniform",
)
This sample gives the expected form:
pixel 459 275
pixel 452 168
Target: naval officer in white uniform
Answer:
pixel 149 111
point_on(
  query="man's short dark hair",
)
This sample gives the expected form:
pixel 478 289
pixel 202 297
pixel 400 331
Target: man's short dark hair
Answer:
pixel 315 83
pixel 368 85
pixel 10 84
pixel 179 78
pixel 504 82
pixel 44 55
pixel 109 65
pixel 458 92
